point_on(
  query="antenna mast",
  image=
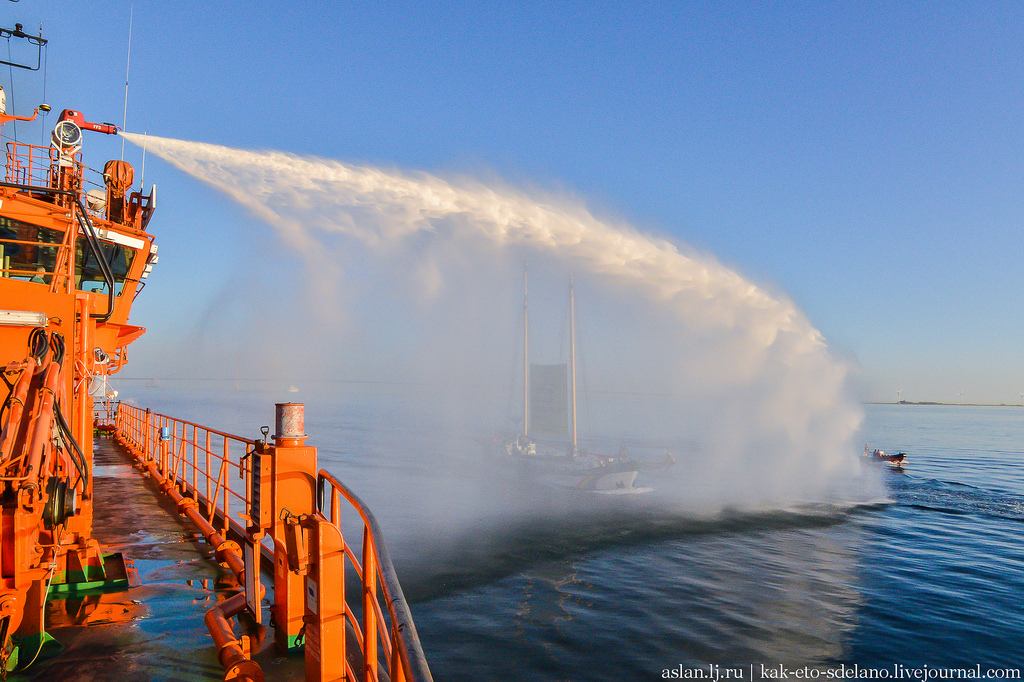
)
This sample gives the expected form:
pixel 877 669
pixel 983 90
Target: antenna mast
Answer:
pixel 127 71
pixel 526 360
pixel 572 361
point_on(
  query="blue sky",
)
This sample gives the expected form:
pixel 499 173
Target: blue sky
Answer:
pixel 863 158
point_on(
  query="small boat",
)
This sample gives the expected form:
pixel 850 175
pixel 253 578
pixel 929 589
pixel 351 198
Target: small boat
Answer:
pixel 549 402
pixel 879 456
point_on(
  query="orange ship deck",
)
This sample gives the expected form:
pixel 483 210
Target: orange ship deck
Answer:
pixel 154 631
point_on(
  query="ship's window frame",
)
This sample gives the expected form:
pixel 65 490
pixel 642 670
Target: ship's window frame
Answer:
pixel 29 257
pixel 89 277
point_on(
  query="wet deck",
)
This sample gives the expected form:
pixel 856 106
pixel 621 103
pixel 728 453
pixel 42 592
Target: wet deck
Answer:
pixel 154 631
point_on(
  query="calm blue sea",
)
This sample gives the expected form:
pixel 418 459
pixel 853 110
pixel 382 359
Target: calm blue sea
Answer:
pixel 508 584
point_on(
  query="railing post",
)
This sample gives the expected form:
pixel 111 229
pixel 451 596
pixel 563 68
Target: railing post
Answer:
pixel 160 449
pixel 209 503
pixel 226 520
pixel 395 665
pixel 165 441
pixel 369 605
pixel 195 462
pixel 147 445
pixel 175 450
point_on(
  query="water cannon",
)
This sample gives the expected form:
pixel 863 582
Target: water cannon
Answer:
pixel 79 120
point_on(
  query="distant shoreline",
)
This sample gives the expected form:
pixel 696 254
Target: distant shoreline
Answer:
pixel 933 403
pixel 154 382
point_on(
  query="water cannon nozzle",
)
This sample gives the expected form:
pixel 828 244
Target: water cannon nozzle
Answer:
pixel 78 119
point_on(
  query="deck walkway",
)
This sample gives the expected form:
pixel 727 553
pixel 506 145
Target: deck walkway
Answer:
pixel 154 631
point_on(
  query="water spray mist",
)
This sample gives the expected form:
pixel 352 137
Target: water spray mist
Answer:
pixel 781 420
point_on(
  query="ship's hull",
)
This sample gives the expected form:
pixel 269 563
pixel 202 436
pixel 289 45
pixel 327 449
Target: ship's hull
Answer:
pixel 552 467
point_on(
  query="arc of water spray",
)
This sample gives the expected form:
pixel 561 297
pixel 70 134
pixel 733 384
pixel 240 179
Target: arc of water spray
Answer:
pixel 304 196
pixel 377 206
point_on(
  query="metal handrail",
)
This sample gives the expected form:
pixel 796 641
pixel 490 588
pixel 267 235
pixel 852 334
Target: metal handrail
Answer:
pixel 193 457
pixel 33 165
pixel 203 465
pixel 407 652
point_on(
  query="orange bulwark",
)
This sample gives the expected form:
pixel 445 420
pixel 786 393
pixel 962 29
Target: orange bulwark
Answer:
pixel 71 264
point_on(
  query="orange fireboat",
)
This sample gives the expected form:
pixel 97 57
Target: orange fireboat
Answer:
pixel 71 264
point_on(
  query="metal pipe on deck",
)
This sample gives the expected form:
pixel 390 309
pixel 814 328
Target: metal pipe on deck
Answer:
pixel 231 652
pixel 42 421
pixel 226 551
pixel 15 409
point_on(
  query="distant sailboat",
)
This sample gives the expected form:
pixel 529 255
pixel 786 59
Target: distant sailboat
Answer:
pixel 549 408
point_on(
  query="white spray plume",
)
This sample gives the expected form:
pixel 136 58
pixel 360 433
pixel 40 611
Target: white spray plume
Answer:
pixel 760 363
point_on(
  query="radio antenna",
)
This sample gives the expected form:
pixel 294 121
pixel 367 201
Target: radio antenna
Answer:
pixel 142 176
pixel 127 71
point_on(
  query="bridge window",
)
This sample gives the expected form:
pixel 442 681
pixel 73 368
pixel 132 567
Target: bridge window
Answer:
pixel 89 277
pixel 28 251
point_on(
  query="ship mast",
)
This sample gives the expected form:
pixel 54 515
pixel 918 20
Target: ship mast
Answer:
pixel 526 360
pixel 572 360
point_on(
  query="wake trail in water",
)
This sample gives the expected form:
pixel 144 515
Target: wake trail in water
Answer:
pixel 957 498
pixel 441 565
pixel 783 419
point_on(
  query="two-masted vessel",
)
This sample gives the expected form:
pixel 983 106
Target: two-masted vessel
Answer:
pixel 262 513
pixel 550 409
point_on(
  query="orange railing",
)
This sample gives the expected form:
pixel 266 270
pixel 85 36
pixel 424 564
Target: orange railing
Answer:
pixel 213 468
pixel 196 458
pixel 29 164
pixel 32 165
pixel 376 571
pixel 43 172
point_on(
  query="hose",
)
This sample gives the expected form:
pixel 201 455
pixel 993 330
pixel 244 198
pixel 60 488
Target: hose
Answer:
pixel 79 461
pixel 38 345
pixel 58 347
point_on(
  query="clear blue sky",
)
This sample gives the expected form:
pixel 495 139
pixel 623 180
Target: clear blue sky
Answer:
pixel 867 159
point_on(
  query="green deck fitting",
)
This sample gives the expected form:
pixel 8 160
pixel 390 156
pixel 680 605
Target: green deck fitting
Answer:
pixel 61 590
pixel 32 647
pixel 75 583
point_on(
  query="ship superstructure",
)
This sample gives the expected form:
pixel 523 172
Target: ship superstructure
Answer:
pixel 72 261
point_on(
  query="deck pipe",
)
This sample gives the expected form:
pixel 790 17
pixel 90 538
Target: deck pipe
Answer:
pixel 225 551
pixel 230 651
pixel 15 409
pixel 42 421
pixel 238 666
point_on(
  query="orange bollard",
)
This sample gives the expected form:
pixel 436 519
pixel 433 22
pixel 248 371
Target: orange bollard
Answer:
pixel 293 496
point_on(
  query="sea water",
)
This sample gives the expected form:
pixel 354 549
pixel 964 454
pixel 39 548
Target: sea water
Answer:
pixel 511 583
